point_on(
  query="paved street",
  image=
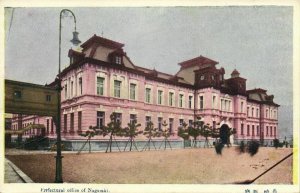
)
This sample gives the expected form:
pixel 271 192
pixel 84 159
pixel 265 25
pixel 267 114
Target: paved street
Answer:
pixel 14 175
pixel 10 175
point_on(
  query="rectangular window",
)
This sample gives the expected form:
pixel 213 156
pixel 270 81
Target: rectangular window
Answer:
pixel 100 86
pixel 267 131
pixel 214 102
pixel 257 130
pixel 66 91
pixel 242 129
pixel 118 117
pixel 80 85
pixel 79 120
pixel 100 119
pixel 242 107
pixel 17 94
pixel 257 113
pixel 71 89
pixel 252 113
pixel 51 126
pixel 47 129
pixel 118 60
pixel 201 102
pixel 271 113
pixel 159 97
pixel 171 125
pixel 65 122
pixel 132 118
pixel 214 124
pixel 180 122
pixel 181 100
pixel 159 120
pixel 253 132
pixel 267 113
pixel 190 123
pixel 48 98
pixel 148 95
pixel 148 119
pixel 275 131
pixel 271 131
pixel 72 122
pixel 248 130
pixel 171 102
pixel 222 104
pixel 190 101
pixel 132 91
pixel 117 88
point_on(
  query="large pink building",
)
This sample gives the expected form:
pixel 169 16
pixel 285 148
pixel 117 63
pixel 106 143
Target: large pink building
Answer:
pixel 102 79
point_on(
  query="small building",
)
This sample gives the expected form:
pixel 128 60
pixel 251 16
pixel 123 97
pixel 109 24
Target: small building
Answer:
pixel 29 104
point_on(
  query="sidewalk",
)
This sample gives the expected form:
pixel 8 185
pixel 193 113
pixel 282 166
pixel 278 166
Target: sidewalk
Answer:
pixel 13 174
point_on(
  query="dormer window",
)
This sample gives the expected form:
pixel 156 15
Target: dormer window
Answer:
pixel 202 77
pixel 118 59
pixel 71 60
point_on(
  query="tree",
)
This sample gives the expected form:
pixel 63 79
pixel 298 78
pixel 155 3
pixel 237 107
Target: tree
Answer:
pixel 89 134
pixel 166 133
pixel 112 129
pixel 206 131
pixel 194 130
pixel 131 132
pixel 183 132
pixel 150 132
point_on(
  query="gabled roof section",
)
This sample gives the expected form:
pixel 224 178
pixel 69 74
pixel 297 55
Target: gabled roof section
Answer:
pixel 102 41
pixel 74 53
pixel 257 90
pixel 261 96
pixel 119 51
pixel 198 61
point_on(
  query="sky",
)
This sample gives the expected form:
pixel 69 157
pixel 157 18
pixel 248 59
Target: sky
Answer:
pixel 256 40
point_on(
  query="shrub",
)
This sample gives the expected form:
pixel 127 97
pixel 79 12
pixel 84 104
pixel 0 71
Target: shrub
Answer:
pixel 253 147
pixel 276 143
pixel 242 147
pixel 218 147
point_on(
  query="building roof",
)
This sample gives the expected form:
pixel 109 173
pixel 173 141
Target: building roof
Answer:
pixel 198 61
pixel 101 41
pixel 73 52
pixel 235 72
pixel 260 95
pixel 162 77
pixel 257 90
pixel 201 62
pixel 19 83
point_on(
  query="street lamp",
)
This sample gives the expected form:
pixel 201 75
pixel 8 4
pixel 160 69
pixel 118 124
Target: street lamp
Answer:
pixel 75 41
